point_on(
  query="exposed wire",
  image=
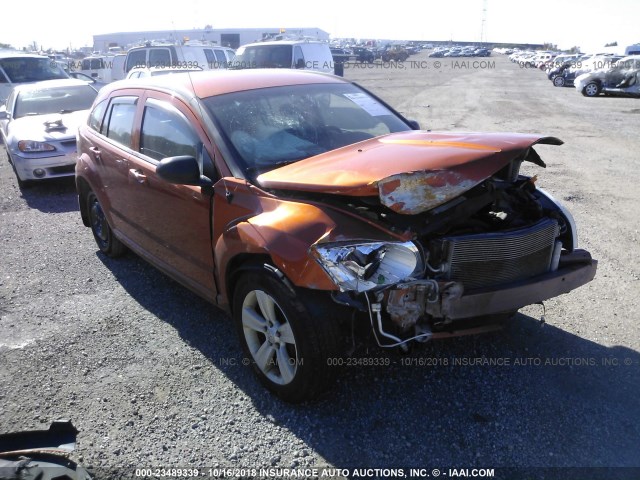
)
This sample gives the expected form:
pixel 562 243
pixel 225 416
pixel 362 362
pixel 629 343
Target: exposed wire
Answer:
pixel 399 342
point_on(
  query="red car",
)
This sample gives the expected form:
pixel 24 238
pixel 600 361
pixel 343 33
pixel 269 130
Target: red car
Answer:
pixel 300 202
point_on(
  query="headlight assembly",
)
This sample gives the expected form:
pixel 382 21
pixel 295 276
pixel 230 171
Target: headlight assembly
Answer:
pixel 31 146
pixel 364 266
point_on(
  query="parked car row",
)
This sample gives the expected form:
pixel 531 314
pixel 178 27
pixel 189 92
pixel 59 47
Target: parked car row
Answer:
pixel 590 74
pixel 467 51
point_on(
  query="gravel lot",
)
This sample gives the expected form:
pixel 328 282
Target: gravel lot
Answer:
pixel 152 375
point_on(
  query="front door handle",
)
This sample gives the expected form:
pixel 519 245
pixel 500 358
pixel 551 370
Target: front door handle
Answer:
pixel 138 176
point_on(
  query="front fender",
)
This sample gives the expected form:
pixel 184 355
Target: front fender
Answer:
pixel 284 230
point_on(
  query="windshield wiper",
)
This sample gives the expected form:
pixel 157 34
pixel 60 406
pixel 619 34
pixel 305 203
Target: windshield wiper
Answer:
pixel 66 111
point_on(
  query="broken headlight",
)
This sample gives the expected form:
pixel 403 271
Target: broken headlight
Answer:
pixel 363 266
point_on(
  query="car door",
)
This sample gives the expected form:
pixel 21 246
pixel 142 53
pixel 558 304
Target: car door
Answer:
pixel 614 76
pixel 113 151
pixel 173 221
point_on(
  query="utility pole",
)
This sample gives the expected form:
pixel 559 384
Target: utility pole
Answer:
pixel 483 31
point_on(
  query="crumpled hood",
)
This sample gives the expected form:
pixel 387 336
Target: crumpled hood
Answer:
pixel 411 172
pixel 53 126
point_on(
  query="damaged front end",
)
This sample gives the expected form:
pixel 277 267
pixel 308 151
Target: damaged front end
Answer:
pixel 41 454
pixel 480 244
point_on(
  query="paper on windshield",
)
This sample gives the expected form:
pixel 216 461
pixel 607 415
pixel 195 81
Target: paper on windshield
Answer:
pixel 368 104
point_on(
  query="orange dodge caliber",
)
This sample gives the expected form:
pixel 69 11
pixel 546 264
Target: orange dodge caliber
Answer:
pixel 303 204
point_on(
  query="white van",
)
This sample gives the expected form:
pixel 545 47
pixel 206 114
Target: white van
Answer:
pixel 117 66
pixel 97 67
pixel 206 57
pixel 301 54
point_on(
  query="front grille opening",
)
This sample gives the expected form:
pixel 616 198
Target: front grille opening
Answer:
pixel 492 259
pixel 62 169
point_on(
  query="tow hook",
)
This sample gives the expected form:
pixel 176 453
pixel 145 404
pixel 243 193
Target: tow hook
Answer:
pixel 543 320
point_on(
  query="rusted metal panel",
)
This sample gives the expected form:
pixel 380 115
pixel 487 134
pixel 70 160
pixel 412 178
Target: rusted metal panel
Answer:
pixel 416 192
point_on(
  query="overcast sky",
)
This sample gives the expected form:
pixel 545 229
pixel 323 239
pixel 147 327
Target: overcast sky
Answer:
pixel 586 23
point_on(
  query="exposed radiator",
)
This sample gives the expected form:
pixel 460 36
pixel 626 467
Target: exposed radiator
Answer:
pixel 490 259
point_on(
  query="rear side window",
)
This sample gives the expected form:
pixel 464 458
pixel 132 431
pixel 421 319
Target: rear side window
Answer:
pixel 211 58
pixel 166 132
pixel 159 57
pixel 92 64
pixel 265 56
pixel 119 126
pixel 137 58
pixel 216 58
pixel 220 57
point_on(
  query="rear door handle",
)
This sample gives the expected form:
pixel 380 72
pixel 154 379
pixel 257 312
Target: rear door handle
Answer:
pixel 138 176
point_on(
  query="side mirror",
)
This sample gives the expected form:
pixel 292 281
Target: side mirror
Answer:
pixel 300 63
pixel 3 112
pixel 413 124
pixel 182 170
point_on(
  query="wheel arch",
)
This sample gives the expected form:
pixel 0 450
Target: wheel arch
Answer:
pixel 243 263
pixel 83 188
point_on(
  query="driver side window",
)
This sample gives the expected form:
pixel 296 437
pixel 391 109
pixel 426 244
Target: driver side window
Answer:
pixel 166 132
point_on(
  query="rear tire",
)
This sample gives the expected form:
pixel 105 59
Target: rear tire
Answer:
pixel 106 240
pixel 290 350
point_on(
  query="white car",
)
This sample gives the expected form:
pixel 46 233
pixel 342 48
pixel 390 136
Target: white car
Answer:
pixel 38 126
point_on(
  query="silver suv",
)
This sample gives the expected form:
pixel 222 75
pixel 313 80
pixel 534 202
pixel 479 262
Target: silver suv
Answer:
pixel 205 57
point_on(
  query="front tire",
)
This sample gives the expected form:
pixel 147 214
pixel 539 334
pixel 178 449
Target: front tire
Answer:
pixel 558 81
pixel 106 240
pixel 591 89
pixel 289 349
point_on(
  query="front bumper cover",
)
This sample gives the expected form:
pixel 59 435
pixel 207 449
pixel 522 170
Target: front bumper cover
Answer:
pixel 577 269
pixel 447 303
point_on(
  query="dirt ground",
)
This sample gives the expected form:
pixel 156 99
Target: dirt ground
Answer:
pixel 152 376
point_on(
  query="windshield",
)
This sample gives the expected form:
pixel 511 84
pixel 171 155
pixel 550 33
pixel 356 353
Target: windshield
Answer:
pixel 275 126
pixel 31 69
pixel 263 56
pixel 54 100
